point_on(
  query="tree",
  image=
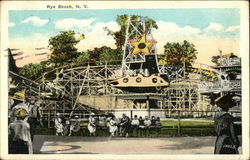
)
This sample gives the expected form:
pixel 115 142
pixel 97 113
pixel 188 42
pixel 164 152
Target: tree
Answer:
pixel 104 55
pixel 32 71
pixel 179 54
pixel 111 56
pixel 82 59
pixel 122 21
pixel 63 46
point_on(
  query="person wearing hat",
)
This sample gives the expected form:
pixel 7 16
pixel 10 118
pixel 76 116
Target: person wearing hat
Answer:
pixel 19 133
pixel 124 125
pixel 226 141
pixel 141 126
pixel 74 126
pixel 58 125
pixel 66 128
pixel 92 124
pixel 112 124
pixel 34 116
pixel 18 101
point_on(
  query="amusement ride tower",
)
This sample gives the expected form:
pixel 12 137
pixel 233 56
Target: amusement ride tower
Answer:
pixel 139 64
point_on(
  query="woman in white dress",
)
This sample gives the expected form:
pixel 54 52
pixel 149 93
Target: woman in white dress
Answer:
pixel 92 124
pixel 58 125
pixel 112 124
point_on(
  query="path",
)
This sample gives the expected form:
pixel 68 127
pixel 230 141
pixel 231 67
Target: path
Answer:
pixel 167 145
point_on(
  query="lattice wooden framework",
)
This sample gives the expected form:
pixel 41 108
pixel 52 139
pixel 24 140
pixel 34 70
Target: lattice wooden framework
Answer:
pixel 185 95
pixel 69 83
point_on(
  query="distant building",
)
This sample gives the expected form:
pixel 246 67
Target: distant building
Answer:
pixel 228 70
pixel 232 66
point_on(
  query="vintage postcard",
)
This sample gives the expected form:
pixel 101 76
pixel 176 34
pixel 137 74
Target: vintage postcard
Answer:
pixel 124 80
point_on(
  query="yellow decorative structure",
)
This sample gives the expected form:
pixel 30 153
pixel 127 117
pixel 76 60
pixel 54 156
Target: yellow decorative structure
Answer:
pixel 142 46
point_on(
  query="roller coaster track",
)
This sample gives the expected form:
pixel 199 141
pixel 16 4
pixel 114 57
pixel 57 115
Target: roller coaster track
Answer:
pixel 64 85
pixel 35 89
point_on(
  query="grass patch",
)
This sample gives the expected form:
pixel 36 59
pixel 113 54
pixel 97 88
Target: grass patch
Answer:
pixel 169 128
pixel 174 123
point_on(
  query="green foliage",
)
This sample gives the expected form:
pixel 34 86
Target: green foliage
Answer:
pixel 174 123
pixel 104 55
pixel 32 71
pixel 111 56
pixel 177 54
pixel 63 46
pixel 122 21
pixel 99 56
pixel 82 59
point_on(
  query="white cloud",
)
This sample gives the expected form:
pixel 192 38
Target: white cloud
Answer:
pixel 232 28
pixel 214 27
pixel 98 37
pixel 11 24
pixel 36 21
pixel 71 23
pixel 112 26
pixel 173 28
pixel 206 45
pixel 171 32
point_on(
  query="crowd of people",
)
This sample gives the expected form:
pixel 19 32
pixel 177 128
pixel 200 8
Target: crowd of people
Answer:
pixel 126 126
pixel 122 126
pixel 65 127
pixel 25 115
pixel 226 142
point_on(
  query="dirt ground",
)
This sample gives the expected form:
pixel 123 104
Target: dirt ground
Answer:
pixel 91 145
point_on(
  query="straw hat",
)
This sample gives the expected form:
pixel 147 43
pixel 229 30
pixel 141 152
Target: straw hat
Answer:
pixel 225 101
pixel 19 96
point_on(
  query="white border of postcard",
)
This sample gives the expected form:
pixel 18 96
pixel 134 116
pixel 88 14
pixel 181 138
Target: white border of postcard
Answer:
pixel 41 5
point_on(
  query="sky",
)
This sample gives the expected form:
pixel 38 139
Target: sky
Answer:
pixel 209 29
